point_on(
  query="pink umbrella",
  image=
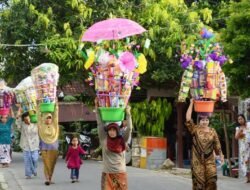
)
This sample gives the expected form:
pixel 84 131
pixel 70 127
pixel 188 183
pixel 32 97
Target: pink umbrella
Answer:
pixel 112 29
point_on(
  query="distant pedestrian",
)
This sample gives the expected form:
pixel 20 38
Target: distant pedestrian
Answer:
pixel 114 175
pixel 5 139
pixel 241 134
pixel 205 143
pixel 29 142
pixel 73 158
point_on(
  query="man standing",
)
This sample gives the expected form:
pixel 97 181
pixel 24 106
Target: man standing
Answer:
pixel 29 142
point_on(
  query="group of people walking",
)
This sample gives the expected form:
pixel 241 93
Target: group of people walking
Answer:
pixel 113 139
pixel 43 138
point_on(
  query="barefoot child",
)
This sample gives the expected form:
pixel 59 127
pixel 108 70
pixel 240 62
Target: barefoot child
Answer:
pixel 73 158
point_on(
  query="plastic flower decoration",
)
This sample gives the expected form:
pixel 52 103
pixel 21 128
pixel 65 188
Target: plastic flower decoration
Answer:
pixel 91 58
pixel 206 34
pixel 102 56
pixel 127 61
pixel 142 68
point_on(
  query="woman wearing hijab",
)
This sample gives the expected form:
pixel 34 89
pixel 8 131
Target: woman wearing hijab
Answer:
pixel 48 132
pixel 114 175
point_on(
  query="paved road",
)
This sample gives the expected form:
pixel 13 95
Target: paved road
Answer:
pixel 90 175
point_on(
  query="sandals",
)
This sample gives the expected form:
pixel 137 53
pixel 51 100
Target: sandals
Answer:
pixel 5 165
pixel 47 183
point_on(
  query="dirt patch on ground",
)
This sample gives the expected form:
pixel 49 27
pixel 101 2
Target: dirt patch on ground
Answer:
pixel 179 172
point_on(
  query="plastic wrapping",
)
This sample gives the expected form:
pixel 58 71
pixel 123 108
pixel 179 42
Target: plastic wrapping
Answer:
pixel 203 76
pixel 45 78
pixel 26 95
pixel 7 98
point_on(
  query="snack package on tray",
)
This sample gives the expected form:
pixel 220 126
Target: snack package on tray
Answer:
pixel 212 94
pixel 223 86
pixel 185 84
pixel 197 93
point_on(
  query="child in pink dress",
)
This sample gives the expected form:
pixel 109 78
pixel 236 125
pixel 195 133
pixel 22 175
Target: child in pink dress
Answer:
pixel 73 159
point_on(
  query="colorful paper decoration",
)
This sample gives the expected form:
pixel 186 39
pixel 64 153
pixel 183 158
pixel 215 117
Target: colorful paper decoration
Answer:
pixel 114 73
pixel 203 76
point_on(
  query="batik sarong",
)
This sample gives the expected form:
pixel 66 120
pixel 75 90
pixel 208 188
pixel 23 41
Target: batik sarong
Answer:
pixel 5 157
pixel 114 181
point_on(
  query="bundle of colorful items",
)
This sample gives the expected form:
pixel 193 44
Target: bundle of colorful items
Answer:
pixel 45 78
pixel 114 73
pixel 203 76
pixel 26 97
pixel 6 98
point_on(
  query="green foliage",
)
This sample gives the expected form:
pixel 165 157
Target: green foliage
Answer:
pixel 87 99
pixel 94 131
pixel 149 117
pixel 58 24
pixel 236 39
pixel 69 98
pixel 76 127
pixel 168 23
pixel 217 123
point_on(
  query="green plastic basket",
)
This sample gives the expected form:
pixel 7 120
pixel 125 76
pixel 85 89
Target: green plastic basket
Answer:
pixel 47 107
pixel 33 118
pixel 111 114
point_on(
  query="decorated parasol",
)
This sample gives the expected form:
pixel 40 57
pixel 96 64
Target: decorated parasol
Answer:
pixel 114 71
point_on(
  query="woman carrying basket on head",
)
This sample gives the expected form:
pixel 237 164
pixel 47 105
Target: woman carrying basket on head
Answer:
pixel 205 143
pixel 49 132
pixel 114 175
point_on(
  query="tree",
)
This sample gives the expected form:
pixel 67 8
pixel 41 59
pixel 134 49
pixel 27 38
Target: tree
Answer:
pixel 236 39
pixel 168 23
pixel 223 127
pixel 60 24
pixel 149 117
pixel 56 24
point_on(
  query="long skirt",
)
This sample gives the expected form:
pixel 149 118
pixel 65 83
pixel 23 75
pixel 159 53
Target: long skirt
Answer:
pixel 204 177
pixel 49 158
pixel 30 162
pixel 5 157
pixel 114 181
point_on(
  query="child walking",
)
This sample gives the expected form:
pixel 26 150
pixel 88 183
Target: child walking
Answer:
pixel 73 158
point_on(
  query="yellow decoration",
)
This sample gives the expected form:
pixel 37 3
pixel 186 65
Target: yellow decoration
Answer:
pixel 142 68
pixel 90 60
